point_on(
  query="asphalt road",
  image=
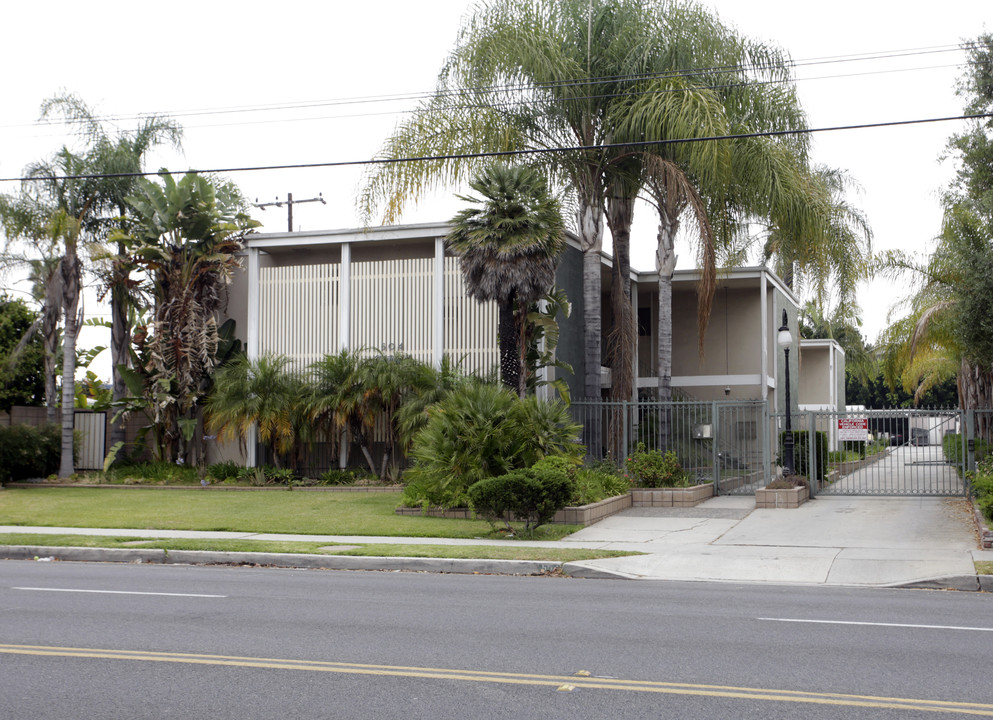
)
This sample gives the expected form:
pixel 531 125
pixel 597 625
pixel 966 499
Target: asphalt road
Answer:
pixel 124 641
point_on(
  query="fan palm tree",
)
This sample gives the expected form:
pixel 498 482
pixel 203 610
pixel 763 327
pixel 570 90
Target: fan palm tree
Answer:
pixel 508 244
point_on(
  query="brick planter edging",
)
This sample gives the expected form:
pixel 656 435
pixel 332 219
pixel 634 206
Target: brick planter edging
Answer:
pixel 671 497
pixel 985 534
pixel 578 515
pixel 785 498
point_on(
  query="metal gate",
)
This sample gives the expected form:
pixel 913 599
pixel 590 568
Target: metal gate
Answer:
pixel 882 452
pixel 722 442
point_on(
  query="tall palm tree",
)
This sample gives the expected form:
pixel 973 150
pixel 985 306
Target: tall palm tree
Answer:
pixel 117 157
pixel 548 75
pixel 508 244
pixel 62 195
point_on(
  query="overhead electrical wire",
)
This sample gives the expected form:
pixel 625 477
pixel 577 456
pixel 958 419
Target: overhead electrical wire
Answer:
pixel 690 72
pixel 507 153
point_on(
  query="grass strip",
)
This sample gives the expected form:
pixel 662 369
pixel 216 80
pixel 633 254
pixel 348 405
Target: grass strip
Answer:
pixel 487 552
pixel 265 511
pixel 984 567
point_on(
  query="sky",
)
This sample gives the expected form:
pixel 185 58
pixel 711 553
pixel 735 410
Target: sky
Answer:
pixel 260 84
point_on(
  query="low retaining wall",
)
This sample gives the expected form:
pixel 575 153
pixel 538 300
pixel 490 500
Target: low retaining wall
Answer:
pixel 985 534
pixel 671 497
pixel 785 498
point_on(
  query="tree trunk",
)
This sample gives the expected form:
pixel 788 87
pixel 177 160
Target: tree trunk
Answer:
pixel 591 239
pixel 509 362
pixel 120 340
pixel 71 272
pixel 620 214
pixel 590 221
pixel 51 342
pixel 665 264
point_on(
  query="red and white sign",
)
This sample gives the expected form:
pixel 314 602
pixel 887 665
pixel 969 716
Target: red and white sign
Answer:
pixel 853 429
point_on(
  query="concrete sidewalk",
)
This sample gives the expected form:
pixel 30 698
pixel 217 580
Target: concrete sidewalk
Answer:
pixel 844 541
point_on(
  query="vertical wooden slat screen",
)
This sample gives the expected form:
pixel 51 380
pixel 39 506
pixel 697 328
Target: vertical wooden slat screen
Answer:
pixel 391 310
pixel 298 314
pixel 470 326
pixel 392 306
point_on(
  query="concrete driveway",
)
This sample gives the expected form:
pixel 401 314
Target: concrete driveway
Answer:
pixel 859 541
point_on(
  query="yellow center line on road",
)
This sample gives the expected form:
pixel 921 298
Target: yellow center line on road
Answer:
pixel 576 681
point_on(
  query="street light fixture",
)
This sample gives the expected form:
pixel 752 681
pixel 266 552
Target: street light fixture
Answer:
pixel 785 341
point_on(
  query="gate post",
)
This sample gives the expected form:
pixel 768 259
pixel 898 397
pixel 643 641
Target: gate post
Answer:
pixel 970 449
pixel 812 454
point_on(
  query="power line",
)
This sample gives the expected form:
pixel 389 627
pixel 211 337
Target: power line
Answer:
pixel 510 153
pixel 420 95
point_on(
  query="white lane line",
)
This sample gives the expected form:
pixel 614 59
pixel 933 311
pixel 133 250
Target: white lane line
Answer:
pixel 879 624
pixel 118 592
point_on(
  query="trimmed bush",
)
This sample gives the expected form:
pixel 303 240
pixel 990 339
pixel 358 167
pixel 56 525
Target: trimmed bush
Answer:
pixel 801 453
pixel 531 496
pixel 29 452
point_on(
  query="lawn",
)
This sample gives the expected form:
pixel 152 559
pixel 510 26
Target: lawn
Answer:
pixel 263 511
pixel 488 552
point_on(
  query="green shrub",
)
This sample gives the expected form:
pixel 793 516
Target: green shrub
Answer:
pixel 982 487
pixel 337 476
pixel 532 496
pixel 801 454
pixel 266 475
pixel 480 432
pixel 951 446
pixel 29 452
pixel 153 473
pixel 219 472
pixel 655 469
pixel 590 486
pixel 854 446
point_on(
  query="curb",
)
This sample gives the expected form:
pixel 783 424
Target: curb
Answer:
pixel 965 583
pixel 283 560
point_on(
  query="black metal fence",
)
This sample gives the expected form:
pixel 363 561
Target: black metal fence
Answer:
pixel 726 442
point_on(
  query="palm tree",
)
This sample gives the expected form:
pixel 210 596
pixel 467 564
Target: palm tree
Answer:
pixel 118 158
pixel 186 236
pixel 62 197
pixel 832 253
pixel 509 244
pixel 263 394
pixel 547 75
pixel 45 279
pixel 336 402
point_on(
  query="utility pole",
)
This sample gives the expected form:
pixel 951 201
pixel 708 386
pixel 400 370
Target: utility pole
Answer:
pixel 289 202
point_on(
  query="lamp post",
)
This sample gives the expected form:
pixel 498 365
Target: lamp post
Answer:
pixel 785 340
